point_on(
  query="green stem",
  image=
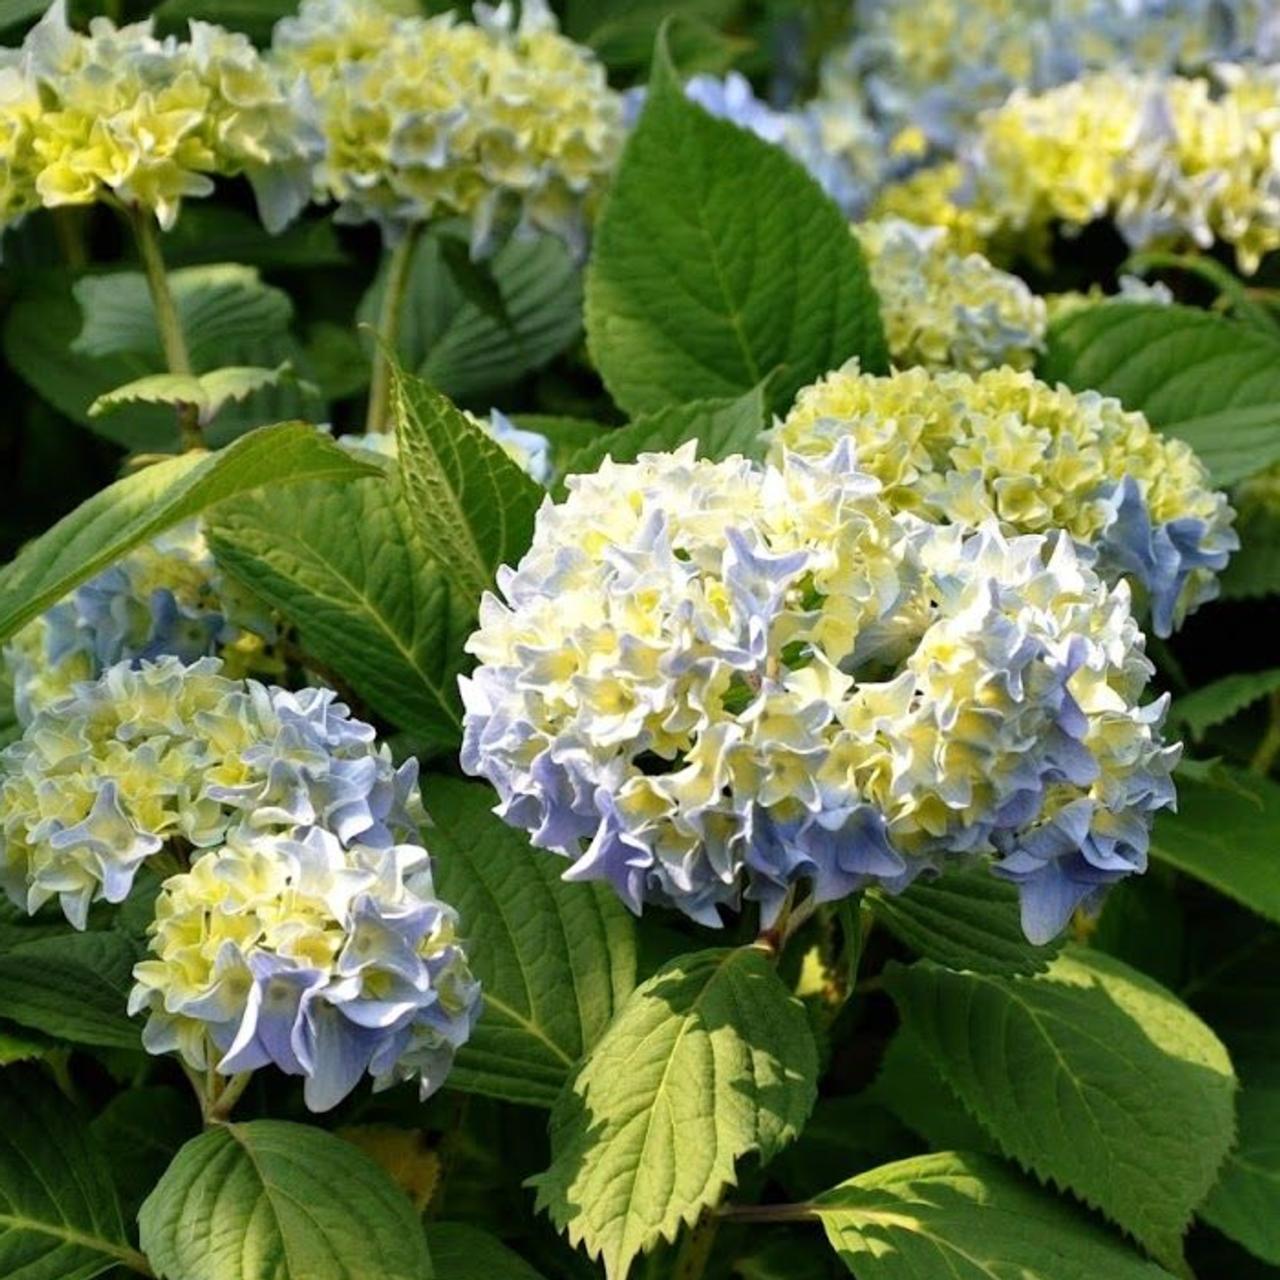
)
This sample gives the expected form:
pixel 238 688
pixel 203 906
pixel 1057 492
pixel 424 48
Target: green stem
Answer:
pixel 388 334
pixel 1269 748
pixel 227 1097
pixel 217 1100
pixel 168 321
pixel 695 1248
pixel 68 227
pixel 780 1213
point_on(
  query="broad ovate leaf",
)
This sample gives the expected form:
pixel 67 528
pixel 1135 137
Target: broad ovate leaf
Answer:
pixel 556 960
pixel 268 1200
pixel 59 1215
pixel 963 920
pixel 1225 834
pixel 1213 382
pixel 709 1060
pixel 147 502
pixel 967 1217
pixel 1090 1075
pixel 472 505
pixel 345 563
pixel 721 428
pixel 719 262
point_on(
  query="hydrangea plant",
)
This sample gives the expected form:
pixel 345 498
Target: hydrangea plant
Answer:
pixel 693 694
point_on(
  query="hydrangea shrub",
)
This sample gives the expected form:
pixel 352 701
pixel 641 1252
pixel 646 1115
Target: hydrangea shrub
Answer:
pixel 639 677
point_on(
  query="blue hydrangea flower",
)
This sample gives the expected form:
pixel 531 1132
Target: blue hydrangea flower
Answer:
pixel 708 682
pixel 327 960
pixel 166 598
pixel 306 933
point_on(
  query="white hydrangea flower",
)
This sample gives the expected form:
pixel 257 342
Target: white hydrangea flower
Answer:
pixel 706 681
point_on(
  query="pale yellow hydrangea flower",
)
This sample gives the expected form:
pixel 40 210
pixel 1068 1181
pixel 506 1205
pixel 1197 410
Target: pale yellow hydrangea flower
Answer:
pixel 943 309
pixel 962 449
pixel 425 118
pixel 147 121
pixel 1169 159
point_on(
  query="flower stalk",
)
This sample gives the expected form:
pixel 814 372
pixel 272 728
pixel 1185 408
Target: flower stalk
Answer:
pixel 399 269
pixel 168 322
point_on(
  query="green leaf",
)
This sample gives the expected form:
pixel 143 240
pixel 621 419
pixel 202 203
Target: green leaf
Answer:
pixel 209 392
pixel 1243 1204
pixel 13 12
pixel 567 436
pixel 462 1252
pixel 255 17
pixel 709 1060
pixel 963 920
pixel 914 1091
pixel 274 1201
pixel 139 1132
pixel 1217 702
pixel 73 987
pixel 1090 1075
pixel 843 1136
pixel 59 1218
pixel 1209 381
pixel 218 233
pixel 19 1046
pixel 459 346
pixel 217 305
pixel 967 1217
pixel 721 428
pixel 622 32
pixel 345 563
pixel 472 505
pixel 1226 836
pixel 45 320
pixel 147 502
pixel 1254 570
pixel 556 960
pixel 717 262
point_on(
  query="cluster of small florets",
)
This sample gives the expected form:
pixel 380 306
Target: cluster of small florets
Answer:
pixel 167 597
pixel 928 70
pixel 306 932
pixel 1169 159
pixel 117 112
pixel 1004 446
pixel 424 118
pixel 943 309
pixel 710 681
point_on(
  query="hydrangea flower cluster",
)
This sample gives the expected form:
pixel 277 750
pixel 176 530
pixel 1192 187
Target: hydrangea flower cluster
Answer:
pixel 424 118
pixel 942 309
pixel 1170 159
pixel 306 933
pixel 167 597
pixel 1004 446
pixel 928 70
pixel 120 112
pixel 709 681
